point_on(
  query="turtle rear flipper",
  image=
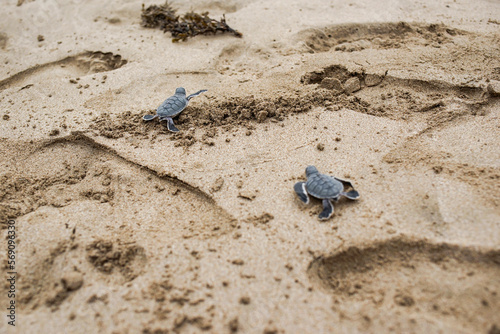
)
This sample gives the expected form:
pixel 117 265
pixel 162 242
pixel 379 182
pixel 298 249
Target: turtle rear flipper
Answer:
pixel 300 189
pixel 170 125
pixel 149 117
pixel 327 209
pixel 353 194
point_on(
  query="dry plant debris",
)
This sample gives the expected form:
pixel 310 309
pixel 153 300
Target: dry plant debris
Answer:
pixel 182 27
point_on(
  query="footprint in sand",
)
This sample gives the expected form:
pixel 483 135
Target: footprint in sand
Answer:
pixel 436 283
pixel 75 171
pixel 3 40
pixel 74 66
pixel 384 95
pixel 356 37
pixel 388 92
pixel 73 193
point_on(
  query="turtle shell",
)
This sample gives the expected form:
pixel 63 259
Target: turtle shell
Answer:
pixel 172 106
pixel 323 186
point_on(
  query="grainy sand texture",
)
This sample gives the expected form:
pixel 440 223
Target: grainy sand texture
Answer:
pixel 124 227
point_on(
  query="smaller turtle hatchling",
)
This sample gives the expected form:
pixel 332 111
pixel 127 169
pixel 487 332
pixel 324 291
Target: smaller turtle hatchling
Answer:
pixel 324 187
pixel 172 107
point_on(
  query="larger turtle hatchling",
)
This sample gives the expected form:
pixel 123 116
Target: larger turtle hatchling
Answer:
pixel 172 107
pixel 324 187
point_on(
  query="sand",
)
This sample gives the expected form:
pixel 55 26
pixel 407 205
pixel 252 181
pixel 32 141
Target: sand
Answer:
pixel 124 227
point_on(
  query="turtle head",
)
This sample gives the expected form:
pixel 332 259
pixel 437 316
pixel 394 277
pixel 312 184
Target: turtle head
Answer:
pixel 180 91
pixel 310 170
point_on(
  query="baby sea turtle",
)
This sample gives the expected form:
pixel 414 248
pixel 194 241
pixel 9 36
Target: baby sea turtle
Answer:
pixel 324 187
pixel 172 107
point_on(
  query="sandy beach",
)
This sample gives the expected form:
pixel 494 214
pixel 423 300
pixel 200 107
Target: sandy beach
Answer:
pixel 122 226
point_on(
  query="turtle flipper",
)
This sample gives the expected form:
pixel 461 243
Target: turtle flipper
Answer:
pixel 346 183
pixel 195 94
pixel 353 194
pixel 300 189
pixel 149 117
pixel 170 125
pixel 327 209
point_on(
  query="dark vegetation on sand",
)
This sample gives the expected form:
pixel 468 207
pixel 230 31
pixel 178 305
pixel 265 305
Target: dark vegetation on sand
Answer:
pixel 182 27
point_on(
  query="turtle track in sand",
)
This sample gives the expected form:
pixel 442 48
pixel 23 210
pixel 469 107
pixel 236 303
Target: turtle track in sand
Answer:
pixel 438 283
pixel 78 65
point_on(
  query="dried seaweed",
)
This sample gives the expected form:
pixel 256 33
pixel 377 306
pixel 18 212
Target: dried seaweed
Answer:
pixel 182 27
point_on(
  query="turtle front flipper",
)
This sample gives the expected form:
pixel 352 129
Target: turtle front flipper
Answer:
pixel 300 189
pixel 327 209
pixel 195 94
pixel 347 184
pixel 149 117
pixel 353 194
pixel 170 125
